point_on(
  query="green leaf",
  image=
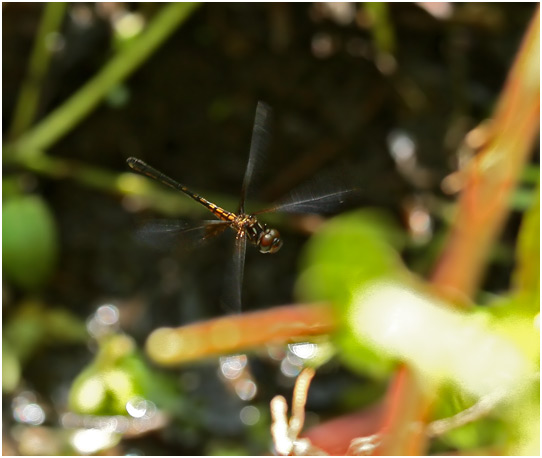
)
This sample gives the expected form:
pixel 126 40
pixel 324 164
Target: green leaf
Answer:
pixel 482 432
pixel 526 277
pixel 351 250
pixel 511 318
pixel 35 324
pixel 11 368
pixel 117 375
pixel 29 241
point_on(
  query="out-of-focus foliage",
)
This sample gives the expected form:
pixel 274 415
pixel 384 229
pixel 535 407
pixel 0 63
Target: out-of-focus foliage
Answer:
pixel 514 315
pixel 527 273
pixel 350 251
pixel 29 241
pixel 11 369
pixel 35 324
pixel 386 317
pixel 116 376
pixel 382 27
pixel 485 432
pixel 32 327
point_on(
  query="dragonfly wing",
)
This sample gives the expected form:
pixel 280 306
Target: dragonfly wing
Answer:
pixel 167 234
pixel 327 203
pixel 261 135
pixel 320 195
pixel 232 292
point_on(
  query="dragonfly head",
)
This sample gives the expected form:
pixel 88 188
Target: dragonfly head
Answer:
pixel 270 241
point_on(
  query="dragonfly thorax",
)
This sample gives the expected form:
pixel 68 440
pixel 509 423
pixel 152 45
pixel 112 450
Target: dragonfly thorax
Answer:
pixel 267 239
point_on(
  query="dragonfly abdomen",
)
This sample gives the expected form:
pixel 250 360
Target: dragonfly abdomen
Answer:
pixel 142 167
pixel 219 212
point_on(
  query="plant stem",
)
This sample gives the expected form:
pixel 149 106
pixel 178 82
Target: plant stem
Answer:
pixel 233 334
pixel 29 97
pixel 483 207
pixel 69 114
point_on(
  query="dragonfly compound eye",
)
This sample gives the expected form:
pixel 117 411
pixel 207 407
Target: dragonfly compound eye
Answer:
pixel 270 241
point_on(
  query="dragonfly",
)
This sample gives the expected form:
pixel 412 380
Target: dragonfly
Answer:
pixel 247 227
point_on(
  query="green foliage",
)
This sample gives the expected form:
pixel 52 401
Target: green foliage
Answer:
pixel 34 325
pixel 11 368
pixel 382 26
pixel 513 316
pixel 29 241
pixel 351 250
pixel 527 273
pixel 486 431
pixel 385 314
pixel 116 376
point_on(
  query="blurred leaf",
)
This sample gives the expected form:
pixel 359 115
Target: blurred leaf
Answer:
pixel 483 432
pixel 531 174
pixel 512 319
pixel 525 419
pixel 34 325
pixel 11 187
pixel 385 315
pixel 29 241
pixel 405 321
pixel 522 199
pixel 25 330
pixel 350 251
pixel 63 326
pixel 117 375
pixel 527 274
pixel 11 369
pixel 106 385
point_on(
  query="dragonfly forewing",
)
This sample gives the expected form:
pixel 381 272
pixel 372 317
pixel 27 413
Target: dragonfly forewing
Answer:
pixel 321 195
pixel 259 144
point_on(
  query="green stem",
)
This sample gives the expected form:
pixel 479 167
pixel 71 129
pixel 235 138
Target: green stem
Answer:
pixel 65 117
pixel 28 101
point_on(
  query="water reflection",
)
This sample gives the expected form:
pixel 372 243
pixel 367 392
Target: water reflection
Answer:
pixel 250 415
pixel 104 321
pixel 25 409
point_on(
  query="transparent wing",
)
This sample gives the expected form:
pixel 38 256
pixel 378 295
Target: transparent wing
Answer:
pixel 261 135
pixel 319 195
pixel 168 234
pixel 232 291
